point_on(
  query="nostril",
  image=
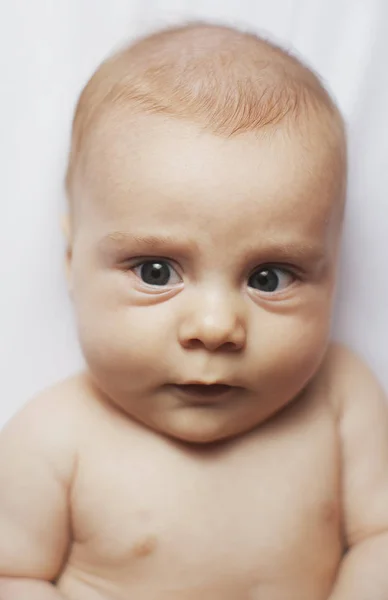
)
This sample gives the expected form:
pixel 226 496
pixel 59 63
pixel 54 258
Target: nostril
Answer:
pixel 193 344
pixel 231 346
pixel 227 335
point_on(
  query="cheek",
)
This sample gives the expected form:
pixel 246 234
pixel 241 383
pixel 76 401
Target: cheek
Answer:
pixel 121 341
pixel 292 348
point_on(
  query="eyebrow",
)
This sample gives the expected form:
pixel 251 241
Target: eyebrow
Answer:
pixel 293 250
pixel 271 250
pixel 120 240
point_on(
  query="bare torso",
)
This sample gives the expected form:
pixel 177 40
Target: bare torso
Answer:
pixel 257 518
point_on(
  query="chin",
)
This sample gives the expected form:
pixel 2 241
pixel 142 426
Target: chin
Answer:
pixel 201 434
pixel 199 438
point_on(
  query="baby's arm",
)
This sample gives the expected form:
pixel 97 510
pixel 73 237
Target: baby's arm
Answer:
pixel 363 424
pixel 28 589
pixel 36 462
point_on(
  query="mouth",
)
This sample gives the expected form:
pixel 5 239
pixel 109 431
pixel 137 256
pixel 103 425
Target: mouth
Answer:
pixel 201 393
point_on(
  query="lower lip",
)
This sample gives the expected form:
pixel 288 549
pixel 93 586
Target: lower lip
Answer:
pixel 204 394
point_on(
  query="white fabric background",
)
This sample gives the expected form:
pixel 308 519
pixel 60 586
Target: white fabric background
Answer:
pixel 49 49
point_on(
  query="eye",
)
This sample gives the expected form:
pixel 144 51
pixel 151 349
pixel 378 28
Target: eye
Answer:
pixel 270 279
pixel 157 273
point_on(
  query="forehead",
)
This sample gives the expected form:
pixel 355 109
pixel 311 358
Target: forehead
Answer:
pixel 149 169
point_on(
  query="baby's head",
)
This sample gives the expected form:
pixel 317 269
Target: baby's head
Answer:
pixel 206 188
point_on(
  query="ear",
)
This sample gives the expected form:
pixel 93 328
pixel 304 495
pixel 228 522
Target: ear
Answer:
pixel 67 232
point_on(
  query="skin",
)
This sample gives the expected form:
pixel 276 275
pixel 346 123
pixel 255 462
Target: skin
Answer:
pixel 217 209
pixel 151 490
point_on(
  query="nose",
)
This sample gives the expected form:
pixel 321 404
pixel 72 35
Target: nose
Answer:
pixel 215 322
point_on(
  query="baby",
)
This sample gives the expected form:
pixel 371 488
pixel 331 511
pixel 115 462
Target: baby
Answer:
pixel 218 446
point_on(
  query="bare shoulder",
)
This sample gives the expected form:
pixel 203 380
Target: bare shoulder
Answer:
pixel 362 410
pixel 349 380
pixel 49 423
pixel 38 462
pixel 52 407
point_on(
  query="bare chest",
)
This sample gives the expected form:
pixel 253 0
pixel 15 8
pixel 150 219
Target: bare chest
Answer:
pixel 145 509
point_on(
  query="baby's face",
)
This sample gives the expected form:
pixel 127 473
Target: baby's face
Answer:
pixel 201 261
